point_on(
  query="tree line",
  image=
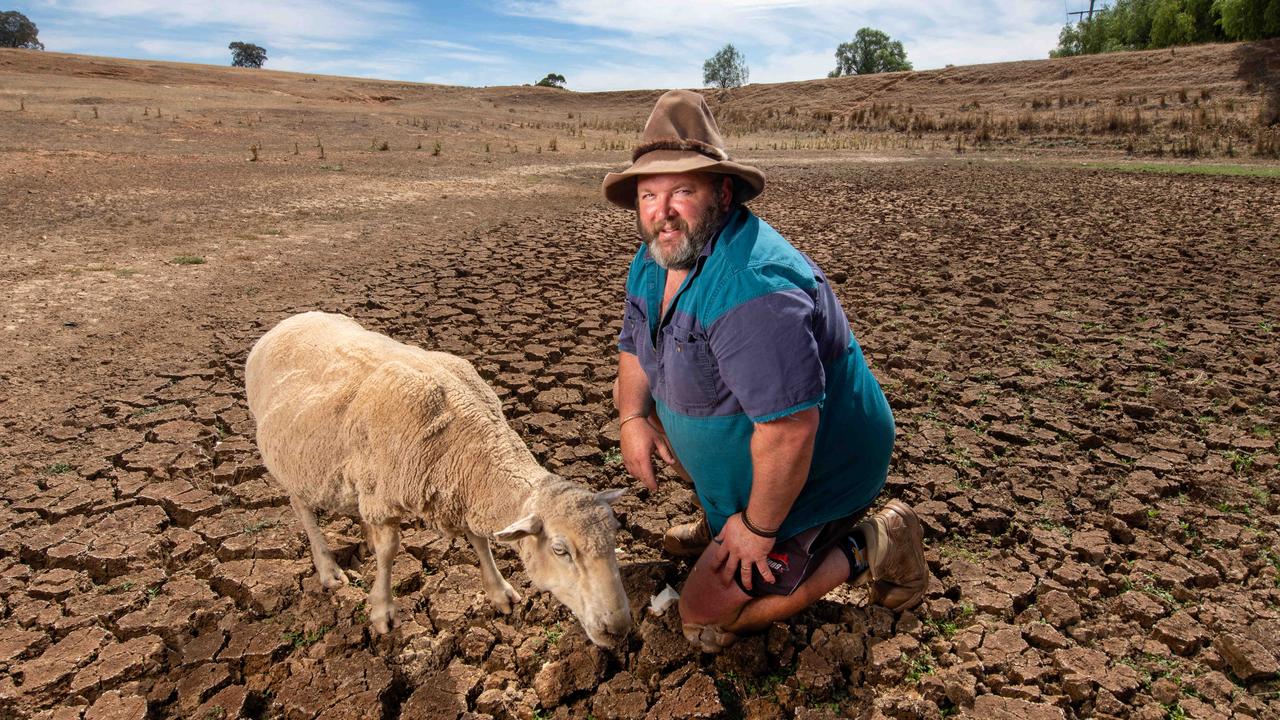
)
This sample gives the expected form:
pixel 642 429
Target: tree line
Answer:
pixel 1153 24
pixel 870 51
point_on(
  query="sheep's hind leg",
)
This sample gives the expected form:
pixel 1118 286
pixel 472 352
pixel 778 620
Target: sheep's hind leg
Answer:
pixel 385 539
pixel 331 576
pixel 500 592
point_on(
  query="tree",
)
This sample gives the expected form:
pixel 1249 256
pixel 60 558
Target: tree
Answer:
pixel 1249 19
pixel 871 51
pixel 16 31
pixel 554 80
pixel 1152 24
pixel 247 55
pixel 726 69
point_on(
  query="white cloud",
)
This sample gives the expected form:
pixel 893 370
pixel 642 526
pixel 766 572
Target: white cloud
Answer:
pixel 275 20
pixel 183 49
pixel 796 39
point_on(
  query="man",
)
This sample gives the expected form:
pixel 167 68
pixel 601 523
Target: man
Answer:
pixel 738 368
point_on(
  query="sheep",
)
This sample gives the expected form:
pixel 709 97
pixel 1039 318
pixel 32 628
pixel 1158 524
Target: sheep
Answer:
pixel 351 421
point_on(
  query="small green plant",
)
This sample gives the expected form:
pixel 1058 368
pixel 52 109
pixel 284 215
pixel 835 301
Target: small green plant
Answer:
pixel 152 592
pixel 613 457
pixel 919 666
pixel 60 468
pixel 151 410
pixel 554 633
pixel 120 587
pixel 188 260
pixel 217 712
pixel 258 526
pixel 303 639
pixel 1241 462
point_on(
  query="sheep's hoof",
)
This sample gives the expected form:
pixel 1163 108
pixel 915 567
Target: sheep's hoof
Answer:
pixel 505 599
pixel 331 577
pixel 383 620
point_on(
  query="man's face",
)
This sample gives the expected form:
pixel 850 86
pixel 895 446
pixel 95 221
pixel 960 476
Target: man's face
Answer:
pixel 677 214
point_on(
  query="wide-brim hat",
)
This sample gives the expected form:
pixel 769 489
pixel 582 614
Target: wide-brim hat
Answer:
pixel 680 136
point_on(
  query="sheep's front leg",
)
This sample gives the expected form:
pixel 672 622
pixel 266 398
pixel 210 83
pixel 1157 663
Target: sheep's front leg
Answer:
pixel 385 539
pixel 500 592
pixel 331 576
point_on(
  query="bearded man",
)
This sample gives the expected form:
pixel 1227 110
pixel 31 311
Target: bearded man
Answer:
pixel 737 367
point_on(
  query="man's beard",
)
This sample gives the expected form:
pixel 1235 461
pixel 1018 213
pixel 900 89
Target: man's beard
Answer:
pixel 694 240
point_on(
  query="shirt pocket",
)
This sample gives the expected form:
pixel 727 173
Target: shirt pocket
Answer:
pixel 688 368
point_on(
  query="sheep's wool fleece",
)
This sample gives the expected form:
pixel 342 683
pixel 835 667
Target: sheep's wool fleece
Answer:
pixel 352 421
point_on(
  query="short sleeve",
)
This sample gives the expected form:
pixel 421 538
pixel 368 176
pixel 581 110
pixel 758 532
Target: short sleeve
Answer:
pixel 630 320
pixel 768 356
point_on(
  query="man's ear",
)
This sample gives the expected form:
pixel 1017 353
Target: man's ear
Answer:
pixel 726 193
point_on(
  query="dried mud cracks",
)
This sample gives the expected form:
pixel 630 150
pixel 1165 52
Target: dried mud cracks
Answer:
pixel 1086 396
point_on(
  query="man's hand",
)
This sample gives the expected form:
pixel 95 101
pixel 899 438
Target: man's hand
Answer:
pixel 640 441
pixel 738 550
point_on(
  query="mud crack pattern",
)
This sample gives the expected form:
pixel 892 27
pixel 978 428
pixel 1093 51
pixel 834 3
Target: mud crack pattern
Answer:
pixel 1085 389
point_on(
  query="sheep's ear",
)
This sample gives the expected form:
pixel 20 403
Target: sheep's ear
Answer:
pixel 527 525
pixel 609 497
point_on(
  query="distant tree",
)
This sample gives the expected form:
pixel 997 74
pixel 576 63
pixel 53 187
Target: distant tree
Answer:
pixel 871 51
pixel 726 69
pixel 1249 19
pixel 1152 24
pixel 552 80
pixel 247 55
pixel 16 31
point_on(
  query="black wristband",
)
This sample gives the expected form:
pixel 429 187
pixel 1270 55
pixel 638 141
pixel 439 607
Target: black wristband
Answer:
pixel 758 531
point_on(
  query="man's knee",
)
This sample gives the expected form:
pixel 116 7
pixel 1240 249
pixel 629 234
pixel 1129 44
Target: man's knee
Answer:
pixel 706 601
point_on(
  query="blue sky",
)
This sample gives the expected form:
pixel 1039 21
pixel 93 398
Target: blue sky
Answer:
pixel 595 45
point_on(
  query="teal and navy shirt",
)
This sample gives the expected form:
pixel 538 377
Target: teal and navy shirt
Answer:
pixel 754 334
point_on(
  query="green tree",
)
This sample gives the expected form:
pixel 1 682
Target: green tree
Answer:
pixel 17 31
pixel 1172 24
pixel 247 55
pixel 1249 19
pixel 871 51
pixel 1151 24
pixel 554 80
pixel 725 69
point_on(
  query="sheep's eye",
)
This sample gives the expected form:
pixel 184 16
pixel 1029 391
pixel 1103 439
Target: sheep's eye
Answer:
pixel 560 550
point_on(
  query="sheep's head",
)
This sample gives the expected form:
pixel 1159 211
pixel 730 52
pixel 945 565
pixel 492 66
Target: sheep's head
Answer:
pixel 567 542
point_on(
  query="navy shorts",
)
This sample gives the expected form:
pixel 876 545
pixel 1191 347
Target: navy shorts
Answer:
pixel 793 560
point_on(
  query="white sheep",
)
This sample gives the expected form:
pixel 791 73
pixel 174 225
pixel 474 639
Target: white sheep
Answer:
pixel 353 422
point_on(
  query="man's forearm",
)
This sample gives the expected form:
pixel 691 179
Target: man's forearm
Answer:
pixel 631 390
pixel 781 452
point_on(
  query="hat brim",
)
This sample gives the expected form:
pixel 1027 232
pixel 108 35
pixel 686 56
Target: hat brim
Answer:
pixel 620 187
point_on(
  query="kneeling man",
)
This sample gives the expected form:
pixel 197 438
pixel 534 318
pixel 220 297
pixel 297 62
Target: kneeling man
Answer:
pixel 737 366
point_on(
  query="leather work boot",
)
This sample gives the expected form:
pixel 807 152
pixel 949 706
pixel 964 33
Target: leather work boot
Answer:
pixel 689 539
pixel 899 575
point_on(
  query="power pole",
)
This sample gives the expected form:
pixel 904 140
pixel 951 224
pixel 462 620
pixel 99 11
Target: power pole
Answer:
pixel 1088 12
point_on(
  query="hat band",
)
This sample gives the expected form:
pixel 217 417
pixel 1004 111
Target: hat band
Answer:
pixel 687 145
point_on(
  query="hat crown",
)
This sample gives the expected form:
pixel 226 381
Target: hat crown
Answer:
pixel 681 120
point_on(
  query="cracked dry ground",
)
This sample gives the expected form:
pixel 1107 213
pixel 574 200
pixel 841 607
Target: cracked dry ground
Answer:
pixel 1083 368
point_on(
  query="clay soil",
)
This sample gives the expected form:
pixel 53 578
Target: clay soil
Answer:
pixel 1082 364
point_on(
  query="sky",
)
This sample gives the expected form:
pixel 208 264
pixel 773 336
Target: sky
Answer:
pixel 595 45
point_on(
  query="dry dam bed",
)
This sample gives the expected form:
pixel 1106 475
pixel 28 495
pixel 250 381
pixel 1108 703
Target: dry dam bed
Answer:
pixel 1082 364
